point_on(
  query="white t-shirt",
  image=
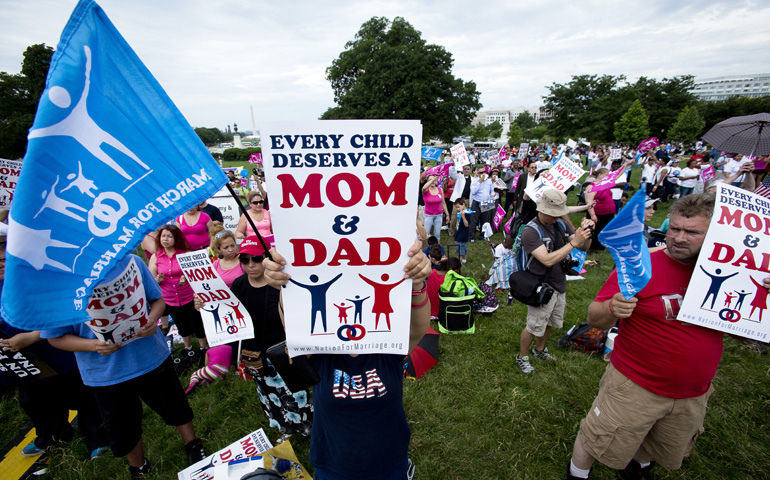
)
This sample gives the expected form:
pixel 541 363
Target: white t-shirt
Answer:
pixel 689 172
pixel 648 172
pixel 732 167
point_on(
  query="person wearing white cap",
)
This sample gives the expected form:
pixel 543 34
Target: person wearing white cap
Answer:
pixel 547 252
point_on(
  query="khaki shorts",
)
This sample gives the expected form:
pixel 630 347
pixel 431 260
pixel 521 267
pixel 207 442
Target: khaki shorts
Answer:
pixel 549 315
pixel 625 416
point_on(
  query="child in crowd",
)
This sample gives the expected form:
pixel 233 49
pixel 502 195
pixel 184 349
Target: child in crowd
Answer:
pixel 503 265
pixel 122 375
pixel 463 232
pixel 432 240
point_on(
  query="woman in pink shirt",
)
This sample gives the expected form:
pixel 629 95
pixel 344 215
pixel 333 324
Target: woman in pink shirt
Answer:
pixel 177 293
pixel 435 208
pixel 227 265
pixel 195 226
pixel 258 215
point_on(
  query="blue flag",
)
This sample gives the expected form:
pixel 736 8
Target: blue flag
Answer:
pixel 431 153
pixel 624 238
pixel 109 158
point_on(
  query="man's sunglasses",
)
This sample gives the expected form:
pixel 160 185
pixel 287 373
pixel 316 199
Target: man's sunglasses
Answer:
pixel 258 202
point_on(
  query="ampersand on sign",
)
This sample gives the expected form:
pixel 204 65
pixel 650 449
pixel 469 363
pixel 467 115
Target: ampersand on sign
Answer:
pixel 343 227
pixel 751 241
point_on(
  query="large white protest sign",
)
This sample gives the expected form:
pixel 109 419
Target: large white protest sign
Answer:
pixel 523 151
pixel 225 319
pixel 343 202
pixel 249 446
pixel 229 207
pixel 561 176
pixel 9 176
pixel 460 155
pixel 726 292
pixel 615 153
pixel 118 309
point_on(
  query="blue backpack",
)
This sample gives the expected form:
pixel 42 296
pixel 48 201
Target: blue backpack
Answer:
pixel 521 259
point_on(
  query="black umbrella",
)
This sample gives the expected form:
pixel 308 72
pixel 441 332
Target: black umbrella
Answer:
pixel 749 135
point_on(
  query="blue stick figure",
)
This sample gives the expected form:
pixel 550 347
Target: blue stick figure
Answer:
pixel 716 285
pixel 358 302
pixel 317 298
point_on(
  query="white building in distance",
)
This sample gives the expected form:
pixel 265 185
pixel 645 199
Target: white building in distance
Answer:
pixel 506 116
pixel 722 88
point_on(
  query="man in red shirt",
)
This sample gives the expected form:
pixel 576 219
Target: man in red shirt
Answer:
pixel 652 398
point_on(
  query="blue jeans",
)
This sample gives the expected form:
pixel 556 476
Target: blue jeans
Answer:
pixel 684 191
pixel 435 222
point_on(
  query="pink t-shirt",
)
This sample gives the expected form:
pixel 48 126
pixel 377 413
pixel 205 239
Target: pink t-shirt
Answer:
pixel 604 203
pixel 197 235
pixel 228 276
pixel 173 294
pixel 433 203
pixel 656 351
pixel 263 226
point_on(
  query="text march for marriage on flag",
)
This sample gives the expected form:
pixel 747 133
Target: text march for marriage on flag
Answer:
pixel 726 291
pixel 343 201
pixel 624 238
pixel 109 158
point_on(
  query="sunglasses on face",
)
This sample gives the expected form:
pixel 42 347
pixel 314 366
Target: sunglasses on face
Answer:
pixel 246 259
pixel 258 202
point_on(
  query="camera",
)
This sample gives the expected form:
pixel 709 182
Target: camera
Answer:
pixel 569 266
pixel 544 294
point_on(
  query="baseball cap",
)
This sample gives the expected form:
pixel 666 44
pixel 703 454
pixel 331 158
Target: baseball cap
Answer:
pixel 650 202
pixel 553 203
pixel 251 246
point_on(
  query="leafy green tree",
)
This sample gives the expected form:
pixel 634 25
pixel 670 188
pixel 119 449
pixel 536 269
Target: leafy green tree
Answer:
pixel 715 112
pixel 514 135
pixel 494 129
pixel 688 126
pixel 210 136
pixel 479 133
pixel 588 106
pixel 19 96
pixel 633 126
pixel 388 71
pixel 663 99
pixel 525 120
pixel 574 112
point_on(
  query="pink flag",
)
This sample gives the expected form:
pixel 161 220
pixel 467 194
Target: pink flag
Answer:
pixel 499 216
pixel 507 226
pixel 515 181
pixel 255 158
pixel 707 173
pixel 439 170
pixel 606 183
pixel 502 156
pixel 648 144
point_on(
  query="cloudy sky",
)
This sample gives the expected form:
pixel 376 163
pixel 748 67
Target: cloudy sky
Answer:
pixel 216 58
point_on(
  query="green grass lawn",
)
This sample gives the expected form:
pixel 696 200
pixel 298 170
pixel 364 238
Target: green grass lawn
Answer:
pixel 475 415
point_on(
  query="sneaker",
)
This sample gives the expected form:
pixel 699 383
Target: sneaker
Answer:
pixel 409 470
pixel 543 355
pixel 99 452
pixel 138 473
pixel 194 450
pixel 524 364
pixel 32 450
pixel 634 471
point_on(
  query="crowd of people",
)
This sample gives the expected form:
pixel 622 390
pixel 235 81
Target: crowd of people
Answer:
pixel 107 381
